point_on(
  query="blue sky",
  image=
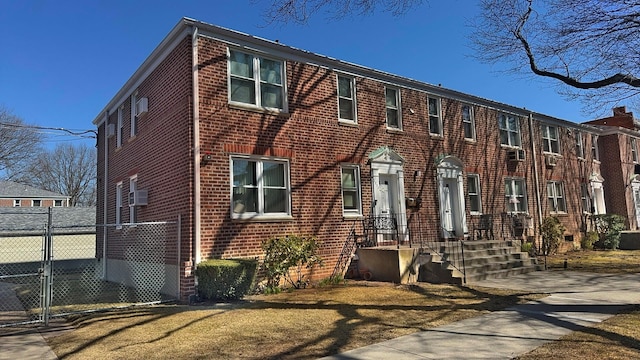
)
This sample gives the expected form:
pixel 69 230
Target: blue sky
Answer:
pixel 62 61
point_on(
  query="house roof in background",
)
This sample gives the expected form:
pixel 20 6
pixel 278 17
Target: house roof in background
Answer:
pixel 34 219
pixel 10 189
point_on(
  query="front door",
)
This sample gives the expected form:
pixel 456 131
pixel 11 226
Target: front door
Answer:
pixel 636 200
pixel 386 196
pixel 450 191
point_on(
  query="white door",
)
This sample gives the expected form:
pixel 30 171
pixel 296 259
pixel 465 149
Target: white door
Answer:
pixel 385 198
pixel 636 198
pixel 447 214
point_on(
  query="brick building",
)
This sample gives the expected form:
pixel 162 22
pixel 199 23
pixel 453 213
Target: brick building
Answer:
pixel 13 194
pixel 246 138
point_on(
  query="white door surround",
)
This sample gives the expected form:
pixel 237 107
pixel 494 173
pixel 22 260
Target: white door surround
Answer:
pixel 453 219
pixel 387 185
pixel 597 194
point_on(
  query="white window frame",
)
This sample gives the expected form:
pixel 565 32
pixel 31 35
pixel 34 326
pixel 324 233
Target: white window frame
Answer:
pixel 134 117
pixel 17 203
pixel 548 141
pixel 595 153
pixel 468 119
pixel 120 127
pixel 579 145
pixel 61 203
pixel 521 206
pixel 634 150
pixel 118 219
pixel 133 186
pixel 585 199
pixel 555 191
pixel 476 179
pixel 505 129
pixel 393 107
pixel 357 211
pixel 352 99
pixel 437 118
pixel 33 203
pixel 257 81
pixel 260 214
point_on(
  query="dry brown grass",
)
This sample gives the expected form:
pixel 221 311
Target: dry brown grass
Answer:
pixel 302 324
pixel 599 261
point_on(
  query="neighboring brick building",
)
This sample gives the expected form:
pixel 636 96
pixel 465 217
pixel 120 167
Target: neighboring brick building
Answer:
pixel 618 144
pixel 246 138
pixel 13 194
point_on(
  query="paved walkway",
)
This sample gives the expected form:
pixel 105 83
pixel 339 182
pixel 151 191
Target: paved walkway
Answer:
pixel 577 300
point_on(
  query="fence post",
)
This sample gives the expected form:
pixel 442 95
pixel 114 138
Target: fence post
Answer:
pixel 47 273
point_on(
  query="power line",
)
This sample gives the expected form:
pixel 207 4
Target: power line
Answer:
pixel 79 133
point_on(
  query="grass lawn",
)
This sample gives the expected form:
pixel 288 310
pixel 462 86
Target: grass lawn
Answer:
pixel 303 324
pixel 311 323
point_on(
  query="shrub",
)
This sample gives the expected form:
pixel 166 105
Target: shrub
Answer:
pixel 588 240
pixel 608 227
pixel 226 279
pixel 526 247
pixel 284 253
pixel 552 233
pixel 332 280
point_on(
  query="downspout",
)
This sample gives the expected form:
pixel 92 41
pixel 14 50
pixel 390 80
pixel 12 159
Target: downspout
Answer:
pixel 535 171
pixel 196 149
pixel 105 182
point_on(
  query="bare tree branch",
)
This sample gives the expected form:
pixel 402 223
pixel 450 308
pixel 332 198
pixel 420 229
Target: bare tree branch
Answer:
pixel 18 142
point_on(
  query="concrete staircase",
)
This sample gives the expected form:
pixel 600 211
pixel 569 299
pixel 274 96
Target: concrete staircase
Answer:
pixel 482 260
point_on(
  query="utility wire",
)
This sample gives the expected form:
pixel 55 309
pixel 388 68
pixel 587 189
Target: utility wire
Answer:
pixel 79 133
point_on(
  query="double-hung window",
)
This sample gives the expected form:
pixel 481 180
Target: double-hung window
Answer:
pixel 585 198
pixel 555 194
pixel 392 102
pixel 473 189
pixel 595 154
pixel 16 203
pixel 134 115
pixel 36 203
pixel 120 126
pixel 350 179
pixel 57 203
pixel 133 187
pixel 468 122
pixel 579 145
pixel 516 194
pixel 346 99
pixel 119 204
pixel 256 81
pixel 509 130
pixel 435 120
pixel 260 187
pixel 550 142
pixel 634 150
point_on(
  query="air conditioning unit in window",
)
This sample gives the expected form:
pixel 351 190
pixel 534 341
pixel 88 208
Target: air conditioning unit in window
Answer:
pixel 516 155
pixel 551 160
pixel 142 106
pixel 111 130
pixel 138 198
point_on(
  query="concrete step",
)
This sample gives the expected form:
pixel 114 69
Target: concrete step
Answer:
pixel 499 274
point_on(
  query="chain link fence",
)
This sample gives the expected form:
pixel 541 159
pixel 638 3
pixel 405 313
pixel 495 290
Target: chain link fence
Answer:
pixel 60 270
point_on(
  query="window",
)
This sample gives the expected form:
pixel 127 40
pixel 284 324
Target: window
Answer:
pixel 350 178
pixel 579 145
pixel 346 99
pixel 468 122
pixel 120 127
pixel 57 203
pixel 16 203
pixel 435 120
pixel 392 101
pixel 585 199
pixel 509 130
pixel 550 141
pixel 473 188
pixel 36 203
pixel 595 154
pixel 556 197
pixel 634 150
pixel 134 116
pixel 119 203
pixel 516 194
pixel 260 187
pixel 133 186
pixel 256 81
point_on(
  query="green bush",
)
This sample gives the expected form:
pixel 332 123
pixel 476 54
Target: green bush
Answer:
pixel 226 279
pixel 552 232
pixel 332 281
pixel 608 227
pixel 588 240
pixel 284 253
pixel 526 247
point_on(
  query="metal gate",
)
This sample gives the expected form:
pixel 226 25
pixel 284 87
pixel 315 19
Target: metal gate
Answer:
pixel 56 271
